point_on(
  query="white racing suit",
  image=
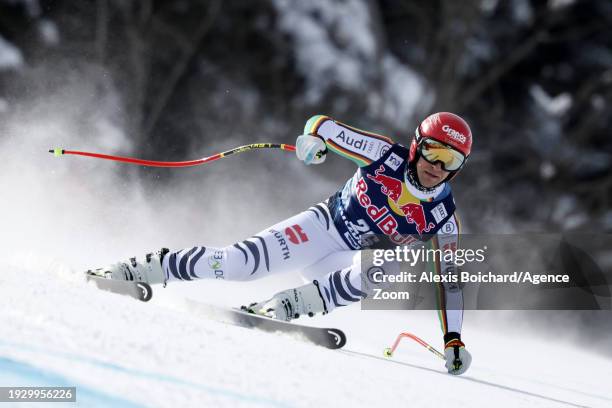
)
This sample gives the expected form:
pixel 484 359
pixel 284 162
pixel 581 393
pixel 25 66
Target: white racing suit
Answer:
pixel 322 243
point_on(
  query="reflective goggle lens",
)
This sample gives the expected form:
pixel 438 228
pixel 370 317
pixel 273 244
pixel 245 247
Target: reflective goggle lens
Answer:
pixel 434 151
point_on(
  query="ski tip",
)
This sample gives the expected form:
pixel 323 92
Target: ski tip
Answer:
pixel 337 337
pixel 146 293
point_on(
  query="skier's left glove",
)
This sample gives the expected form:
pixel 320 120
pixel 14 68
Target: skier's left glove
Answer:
pixel 291 303
pixel 458 359
pixel 310 149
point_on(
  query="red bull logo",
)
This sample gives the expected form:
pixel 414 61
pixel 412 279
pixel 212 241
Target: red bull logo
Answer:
pixel 415 214
pixel 392 188
pixel 380 215
pixel 389 186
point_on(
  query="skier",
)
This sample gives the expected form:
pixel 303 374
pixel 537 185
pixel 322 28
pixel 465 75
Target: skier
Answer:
pixel 398 192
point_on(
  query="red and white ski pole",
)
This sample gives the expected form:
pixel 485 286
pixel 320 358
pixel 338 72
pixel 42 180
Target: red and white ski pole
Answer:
pixel 154 163
pixel 388 352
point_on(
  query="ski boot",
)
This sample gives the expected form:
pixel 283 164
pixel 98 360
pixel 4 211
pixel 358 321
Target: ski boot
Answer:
pixel 291 303
pixel 149 271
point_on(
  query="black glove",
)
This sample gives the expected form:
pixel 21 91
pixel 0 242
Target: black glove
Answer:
pixel 458 359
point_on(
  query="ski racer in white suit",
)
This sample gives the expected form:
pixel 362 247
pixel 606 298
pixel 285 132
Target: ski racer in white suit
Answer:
pixel 396 191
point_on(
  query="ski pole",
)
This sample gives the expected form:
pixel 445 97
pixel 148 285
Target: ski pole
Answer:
pixel 153 163
pixel 388 352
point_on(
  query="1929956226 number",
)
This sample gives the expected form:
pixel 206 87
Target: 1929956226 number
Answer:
pixel 32 394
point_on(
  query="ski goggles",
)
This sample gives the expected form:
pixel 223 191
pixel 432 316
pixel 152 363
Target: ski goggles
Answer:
pixel 434 151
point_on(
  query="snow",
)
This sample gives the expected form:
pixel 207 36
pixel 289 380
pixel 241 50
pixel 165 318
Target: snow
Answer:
pixel 403 92
pixel 522 11
pixel 547 170
pixel 4 105
pixel 331 42
pixel 560 4
pixel 336 47
pixel 10 56
pixel 598 102
pixel 555 106
pixel 488 6
pixel 61 216
pixel 117 349
pixel 607 221
pixel 49 32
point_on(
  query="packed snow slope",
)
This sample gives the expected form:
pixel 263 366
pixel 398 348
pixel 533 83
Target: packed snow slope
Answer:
pixel 60 216
pixel 58 330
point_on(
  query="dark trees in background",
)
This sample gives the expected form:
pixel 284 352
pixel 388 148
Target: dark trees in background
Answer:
pixel 534 78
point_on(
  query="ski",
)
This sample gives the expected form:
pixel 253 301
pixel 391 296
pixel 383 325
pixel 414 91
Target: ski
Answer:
pixel 138 290
pixel 322 336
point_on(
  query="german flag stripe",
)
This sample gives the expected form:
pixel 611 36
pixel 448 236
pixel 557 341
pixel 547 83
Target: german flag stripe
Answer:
pixel 440 296
pixel 454 342
pixel 458 222
pixel 313 124
pixel 360 160
pixel 442 310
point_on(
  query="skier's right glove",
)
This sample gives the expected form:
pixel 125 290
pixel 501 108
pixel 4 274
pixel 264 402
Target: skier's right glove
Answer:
pixel 458 359
pixel 291 303
pixel 310 149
